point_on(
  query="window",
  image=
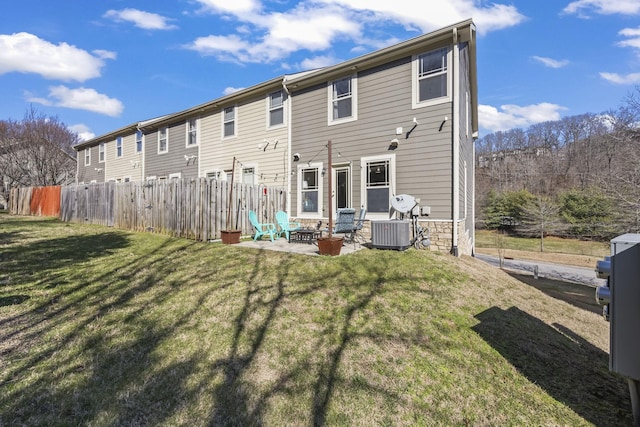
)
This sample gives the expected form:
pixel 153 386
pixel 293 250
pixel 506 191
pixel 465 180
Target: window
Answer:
pixel 192 132
pixel 119 146
pixel 101 153
pixel 176 175
pixel 139 141
pixel 163 140
pixel 276 108
pixel 248 175
pixel 126 179
pixel 87 156
pixel 342 96
pixel 229 122
pixel 378 183
pixel 310 189
pixel 431 81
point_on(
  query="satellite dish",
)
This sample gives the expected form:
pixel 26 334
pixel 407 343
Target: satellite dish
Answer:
pixel 402 203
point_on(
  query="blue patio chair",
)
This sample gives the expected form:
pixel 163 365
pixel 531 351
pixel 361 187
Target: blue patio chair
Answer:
pixel 344 221
pixel 282 218
pixel 261 229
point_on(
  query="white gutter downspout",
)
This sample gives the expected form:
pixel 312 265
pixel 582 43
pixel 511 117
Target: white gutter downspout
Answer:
pixel 455 139
pixel 290 109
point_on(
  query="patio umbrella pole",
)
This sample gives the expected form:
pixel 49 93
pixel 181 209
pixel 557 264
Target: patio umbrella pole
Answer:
pixel 233 170
pixel 330 198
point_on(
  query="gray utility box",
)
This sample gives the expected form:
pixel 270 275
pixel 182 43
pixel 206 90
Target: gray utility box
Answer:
pixel 390 234
pixel 624 355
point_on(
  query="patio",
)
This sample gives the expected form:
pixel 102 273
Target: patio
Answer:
pixel 282 245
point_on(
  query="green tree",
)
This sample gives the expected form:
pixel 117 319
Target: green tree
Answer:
pixel 587 212
pixel 505 209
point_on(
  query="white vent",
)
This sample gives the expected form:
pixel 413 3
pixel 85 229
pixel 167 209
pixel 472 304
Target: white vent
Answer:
pixel 391 234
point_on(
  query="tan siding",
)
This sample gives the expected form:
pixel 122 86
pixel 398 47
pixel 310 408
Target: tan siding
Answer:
pixel 251 130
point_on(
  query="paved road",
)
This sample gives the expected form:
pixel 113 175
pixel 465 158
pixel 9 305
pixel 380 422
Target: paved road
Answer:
pixel 567 273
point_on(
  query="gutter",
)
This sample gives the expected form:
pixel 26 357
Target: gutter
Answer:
pixel 455 137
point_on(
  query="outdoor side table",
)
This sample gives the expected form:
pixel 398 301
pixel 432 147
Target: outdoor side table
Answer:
pixel 304 235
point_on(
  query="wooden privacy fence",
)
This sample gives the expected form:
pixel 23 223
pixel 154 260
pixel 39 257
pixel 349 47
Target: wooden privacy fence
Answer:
pixel 41 201
pixel 191 208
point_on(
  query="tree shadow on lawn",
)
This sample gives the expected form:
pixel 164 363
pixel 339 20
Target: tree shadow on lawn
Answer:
pixel 580 296
pixel 566 366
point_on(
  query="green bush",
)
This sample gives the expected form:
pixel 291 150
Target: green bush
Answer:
pixel 588 213
pixel 505 210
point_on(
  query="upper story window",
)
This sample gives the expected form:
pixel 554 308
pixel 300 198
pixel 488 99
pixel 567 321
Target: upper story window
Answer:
pixel 192 132
pixel 431 77
pixel 343 100
pixel 87 156
pixel 101 152
pixel 139 141
pixel 163 140
pixel 229 122
pixel 119 146
pixel 276 108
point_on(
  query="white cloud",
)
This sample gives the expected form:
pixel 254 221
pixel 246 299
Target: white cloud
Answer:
pixel 634 37
pixel 105 54
pixel 232 7
pixel 603 7
pixel 628 79
pixel 315 25
pixel 429 16
pixel 26 53
pixel 141 19
pixel 551 63
pixel 229 90
pixel 81 99
pixel 83 131
pixel 318 62
pixel 511 116
pixel 284 33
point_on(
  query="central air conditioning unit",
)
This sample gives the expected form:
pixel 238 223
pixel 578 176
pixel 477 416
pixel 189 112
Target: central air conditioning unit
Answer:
pixel 390 234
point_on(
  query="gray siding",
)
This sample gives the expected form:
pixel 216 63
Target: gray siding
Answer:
pixel 173 161
pixel 89 173
pixel 466 143
pixel 423 161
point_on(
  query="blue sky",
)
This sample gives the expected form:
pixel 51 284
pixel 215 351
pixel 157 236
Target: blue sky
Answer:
pixel 101 65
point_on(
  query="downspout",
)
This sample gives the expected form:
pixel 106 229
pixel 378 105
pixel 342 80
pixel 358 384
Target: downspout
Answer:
pixel 289 110
pixel 455 140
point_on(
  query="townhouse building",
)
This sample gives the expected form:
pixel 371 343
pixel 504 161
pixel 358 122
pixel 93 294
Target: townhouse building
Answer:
pixel 402 120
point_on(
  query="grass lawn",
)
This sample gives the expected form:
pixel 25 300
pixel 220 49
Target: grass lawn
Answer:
pixel 103 327
pixel 563 251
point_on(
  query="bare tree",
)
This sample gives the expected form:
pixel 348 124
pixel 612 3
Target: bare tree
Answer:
pixel 36 151
pixel 540 217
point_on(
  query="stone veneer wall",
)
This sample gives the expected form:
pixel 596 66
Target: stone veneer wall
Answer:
pixel 440 233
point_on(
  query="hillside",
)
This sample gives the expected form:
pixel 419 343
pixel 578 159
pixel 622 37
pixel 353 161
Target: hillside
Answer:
pixel 104 327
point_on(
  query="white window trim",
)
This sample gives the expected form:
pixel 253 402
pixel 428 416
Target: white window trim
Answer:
pixel 167 135
pixel 415 87
pixel 284 110
pixel 256 174
pixel 317 214
pixel 121 139
pixel 363 181
pixel 87 156
pixel 235 122
pixel 141 142
pixel 102 149
pixel 186 143
pixel 218 174
pixel 176 175
pixel 354 101
pixel 151 177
